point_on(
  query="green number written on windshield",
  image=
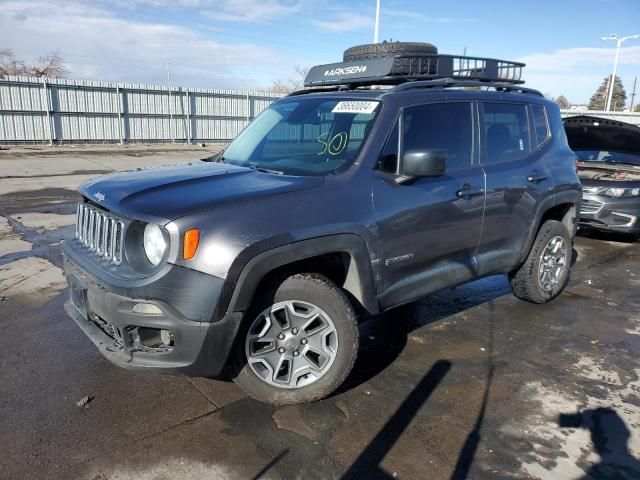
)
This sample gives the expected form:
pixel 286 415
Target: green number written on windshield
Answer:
pixel 335 145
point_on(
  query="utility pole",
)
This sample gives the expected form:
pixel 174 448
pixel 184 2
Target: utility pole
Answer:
pixel 619 41
pixel 633 94
pixel 376 30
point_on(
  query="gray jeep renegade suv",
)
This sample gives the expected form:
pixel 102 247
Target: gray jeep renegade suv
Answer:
pixel 394 174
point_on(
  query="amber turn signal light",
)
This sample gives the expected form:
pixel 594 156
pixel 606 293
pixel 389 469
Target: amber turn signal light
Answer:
pixel 191 239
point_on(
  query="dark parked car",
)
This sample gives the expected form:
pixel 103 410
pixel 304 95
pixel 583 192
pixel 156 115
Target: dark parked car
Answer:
pixel 379 184
pixel 609 167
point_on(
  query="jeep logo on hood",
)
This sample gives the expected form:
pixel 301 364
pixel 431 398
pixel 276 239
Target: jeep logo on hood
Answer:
pixel 345 70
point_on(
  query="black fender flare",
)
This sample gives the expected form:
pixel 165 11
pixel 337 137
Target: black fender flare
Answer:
pixel 359 280
pixel 558 198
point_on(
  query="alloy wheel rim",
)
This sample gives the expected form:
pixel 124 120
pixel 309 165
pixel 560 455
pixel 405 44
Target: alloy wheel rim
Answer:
pixel 553 263
pixel 291 344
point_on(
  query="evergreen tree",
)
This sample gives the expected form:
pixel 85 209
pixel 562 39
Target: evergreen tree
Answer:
pixel 599 99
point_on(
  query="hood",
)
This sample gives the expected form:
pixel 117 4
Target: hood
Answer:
pixel 163 194
pixel 602 134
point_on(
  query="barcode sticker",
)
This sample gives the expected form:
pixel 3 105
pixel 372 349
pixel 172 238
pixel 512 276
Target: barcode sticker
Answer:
pixel 355 107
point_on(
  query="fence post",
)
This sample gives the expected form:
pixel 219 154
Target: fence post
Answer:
pixel 188 117
pixel 47 109
pixel 119 107
pixel 173 139
pixel 248 108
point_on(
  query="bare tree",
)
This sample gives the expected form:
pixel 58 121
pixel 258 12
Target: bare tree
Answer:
pixel 51 65
pixel 291 84
pixel 10 65
pixel 562 102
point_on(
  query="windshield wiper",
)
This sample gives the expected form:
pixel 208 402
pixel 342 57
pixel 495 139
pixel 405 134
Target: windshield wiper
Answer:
pixel 266 170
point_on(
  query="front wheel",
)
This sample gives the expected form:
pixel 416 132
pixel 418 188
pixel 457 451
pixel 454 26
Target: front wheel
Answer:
pixel 300 341
pixel 545 272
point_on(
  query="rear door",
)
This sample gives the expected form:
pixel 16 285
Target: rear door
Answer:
pixel 429 228
pixel 514 137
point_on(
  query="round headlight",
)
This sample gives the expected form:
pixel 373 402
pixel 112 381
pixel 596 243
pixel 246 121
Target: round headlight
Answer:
pixel 154 244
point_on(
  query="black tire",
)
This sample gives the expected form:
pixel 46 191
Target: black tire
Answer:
pixel 401 66
pixel 525 281
pixel 323 293
pixel 385 49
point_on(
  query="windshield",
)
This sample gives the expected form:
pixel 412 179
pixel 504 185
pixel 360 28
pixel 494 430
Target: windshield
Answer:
pixel 305 136
pixel 607 157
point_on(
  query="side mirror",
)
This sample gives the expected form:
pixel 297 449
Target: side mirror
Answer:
pixel 423 163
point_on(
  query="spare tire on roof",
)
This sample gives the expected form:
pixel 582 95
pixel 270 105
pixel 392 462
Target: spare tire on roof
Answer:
pixel 385 49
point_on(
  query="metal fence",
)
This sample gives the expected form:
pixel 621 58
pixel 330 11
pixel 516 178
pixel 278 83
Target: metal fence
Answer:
pixel 627 117
pixel 35 110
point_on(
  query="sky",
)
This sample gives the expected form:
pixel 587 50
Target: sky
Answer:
pixel 247 44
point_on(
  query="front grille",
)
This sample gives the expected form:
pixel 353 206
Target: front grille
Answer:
pixel 590 206
pixel 100 232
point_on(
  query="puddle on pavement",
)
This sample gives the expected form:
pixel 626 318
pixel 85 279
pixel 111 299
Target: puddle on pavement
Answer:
pixel 560 435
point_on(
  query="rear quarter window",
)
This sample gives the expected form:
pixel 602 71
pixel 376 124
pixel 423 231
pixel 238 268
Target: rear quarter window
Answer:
pixel 540 124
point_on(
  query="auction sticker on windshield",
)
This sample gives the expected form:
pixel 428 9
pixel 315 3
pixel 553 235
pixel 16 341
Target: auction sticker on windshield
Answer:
pixel 355 107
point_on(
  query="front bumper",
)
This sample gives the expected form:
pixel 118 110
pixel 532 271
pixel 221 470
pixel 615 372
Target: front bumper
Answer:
pixel 109 320
pixel 610 214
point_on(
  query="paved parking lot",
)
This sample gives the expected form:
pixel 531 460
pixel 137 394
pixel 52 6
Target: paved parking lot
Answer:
pixel 468 383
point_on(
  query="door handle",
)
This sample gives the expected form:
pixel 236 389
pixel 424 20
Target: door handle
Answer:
pixel 469 191
pixel 535 177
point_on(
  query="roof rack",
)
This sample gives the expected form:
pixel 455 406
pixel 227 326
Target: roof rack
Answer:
pixel 426 84
pixel 397 69
pixel 452 83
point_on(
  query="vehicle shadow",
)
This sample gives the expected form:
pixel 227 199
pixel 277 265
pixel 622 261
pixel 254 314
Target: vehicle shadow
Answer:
pixel 610 438
pixel 367 465
pixel 384 337
pixel 470 447
pixel 574 257
pixel 271 465
pixel 608 236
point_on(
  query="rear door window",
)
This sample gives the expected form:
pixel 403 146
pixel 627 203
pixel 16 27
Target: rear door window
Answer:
pixel 506 131
pixel 540 124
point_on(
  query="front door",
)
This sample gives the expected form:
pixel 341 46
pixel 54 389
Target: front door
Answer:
pixel 429 228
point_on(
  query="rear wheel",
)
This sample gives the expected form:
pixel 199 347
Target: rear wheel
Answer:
pixel 300 341
pixel 545 273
